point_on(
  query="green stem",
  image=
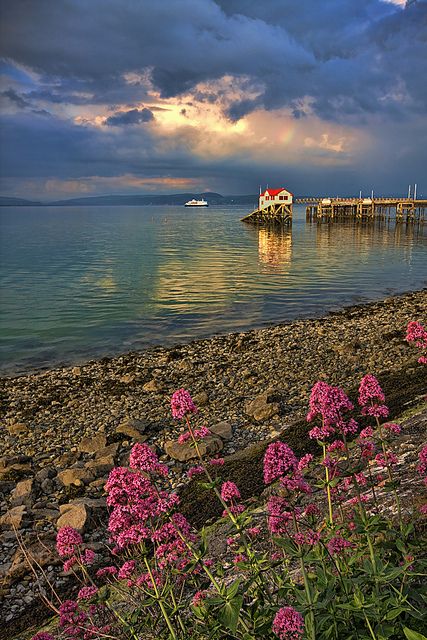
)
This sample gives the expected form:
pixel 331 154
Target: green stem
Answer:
pixel 369 627
pixel 328 488
pixel 312 630
pixel 159 600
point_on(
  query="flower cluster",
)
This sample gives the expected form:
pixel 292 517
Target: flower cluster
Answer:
pixel 182 404
pixel 67 541
pixel 371 398
pixel 288 624
pixel 330 404
pixel 416 333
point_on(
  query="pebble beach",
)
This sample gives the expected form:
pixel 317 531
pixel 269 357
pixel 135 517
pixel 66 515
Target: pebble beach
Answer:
pixel 63 430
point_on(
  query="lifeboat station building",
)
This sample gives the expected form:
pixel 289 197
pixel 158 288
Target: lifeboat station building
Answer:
pixel 274 196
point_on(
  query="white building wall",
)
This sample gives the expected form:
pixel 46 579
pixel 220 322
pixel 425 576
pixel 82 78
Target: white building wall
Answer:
pixel 263 203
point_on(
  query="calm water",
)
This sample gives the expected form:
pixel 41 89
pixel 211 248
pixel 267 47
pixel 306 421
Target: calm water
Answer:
pixel 78 283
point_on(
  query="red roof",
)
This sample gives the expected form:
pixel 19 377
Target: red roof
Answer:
pixel 274 192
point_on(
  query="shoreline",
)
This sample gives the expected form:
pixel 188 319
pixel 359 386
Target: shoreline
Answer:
pixel 7 373
pixel 62 430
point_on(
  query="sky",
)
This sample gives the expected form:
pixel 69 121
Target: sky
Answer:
pixel 166 96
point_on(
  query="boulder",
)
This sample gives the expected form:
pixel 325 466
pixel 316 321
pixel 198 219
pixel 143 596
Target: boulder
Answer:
pixel 223 430
pixel 13 518
pixel 23 493
pixel 91 444
pixel 185 452
pixel 73 515
pixel 128 378
pixel 42 553
pixel 110 450
pixel 260 409
pixel 75 476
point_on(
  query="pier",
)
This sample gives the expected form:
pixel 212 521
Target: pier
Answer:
pixel 370 209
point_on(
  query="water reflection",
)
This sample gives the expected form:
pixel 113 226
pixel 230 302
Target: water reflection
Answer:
pixel 275 248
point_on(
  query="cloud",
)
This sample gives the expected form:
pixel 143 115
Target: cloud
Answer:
pixel 134 116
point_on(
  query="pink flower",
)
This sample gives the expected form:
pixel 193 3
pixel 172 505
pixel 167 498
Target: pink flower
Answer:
pixel 106 571
pixel 288 624
pixel 279 516
pixel 366 433
pixel 182 404
pixel 184 437
pixel 86 593
pixel 392 427
pixel 423 509
pixel 217 462
pixel 415 332
pixel 305 461
pixel 202 432
pixel 67 539
pixel 389 459
pixel 42 635
pixel 369 389
pixel 330 404
pixel 89 557
pixel 422 457
pixel 240 557
pixel 198 598
pixel 279 460
pixel 142 457
pixel 229 491
pixel 253 532
pixel 336 445
pixel 195 471
pixel 337 544
pixel 127 569
pixel 69 564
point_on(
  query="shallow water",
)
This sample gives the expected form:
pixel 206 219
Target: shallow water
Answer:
pixel 84 282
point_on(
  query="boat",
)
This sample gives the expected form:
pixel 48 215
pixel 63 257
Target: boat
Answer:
pixel 196 203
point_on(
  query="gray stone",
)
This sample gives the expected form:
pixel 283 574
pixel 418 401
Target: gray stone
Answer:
pixel 201 399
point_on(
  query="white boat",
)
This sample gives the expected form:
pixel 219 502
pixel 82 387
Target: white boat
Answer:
pixel 196 203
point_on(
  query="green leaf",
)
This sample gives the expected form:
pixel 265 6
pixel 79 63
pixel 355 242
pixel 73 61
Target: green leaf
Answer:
pixel 229 613
pixel 233 589
pixel 413 635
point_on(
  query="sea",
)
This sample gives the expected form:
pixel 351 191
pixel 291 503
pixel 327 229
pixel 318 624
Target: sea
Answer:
pixel 78 283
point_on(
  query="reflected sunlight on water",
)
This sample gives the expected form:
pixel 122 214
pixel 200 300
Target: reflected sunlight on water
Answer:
pixel 78 283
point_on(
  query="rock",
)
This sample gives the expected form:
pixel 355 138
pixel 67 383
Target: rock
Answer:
pixel 93 443
pixel 73 515
pixel 14 471
pixel 22 493
pixel 75 476
pixel 101 466
pixel 153 385
pixel 260 409
pixel 41 552
pixel 128 378
pixel 223 430
pixel 17 429
pixel 13 518
pixel 110 450
pixel 45 473
pixel 76 371
pixel 201 399
pixel 133 429
pixel 185 452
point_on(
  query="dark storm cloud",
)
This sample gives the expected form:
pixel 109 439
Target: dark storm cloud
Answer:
pixel 359 62
pixel 345 54
pixel 133 116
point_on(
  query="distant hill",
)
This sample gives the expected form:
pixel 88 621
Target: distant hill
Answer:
pixel 5 201
pixel 176 199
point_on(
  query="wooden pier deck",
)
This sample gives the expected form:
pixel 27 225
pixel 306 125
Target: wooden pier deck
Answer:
pixel 398 209
pixel 274 214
